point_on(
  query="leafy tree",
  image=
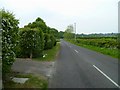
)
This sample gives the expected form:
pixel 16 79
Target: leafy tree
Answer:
pixel 9 40
pixel 38 23
pixel 69 32
pixel 54 32
pixel 53 41
pixel 47 41
pixel 50 34
pixel 61 34
pixel 31 42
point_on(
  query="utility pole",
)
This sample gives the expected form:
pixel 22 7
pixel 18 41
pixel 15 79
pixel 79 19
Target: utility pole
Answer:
pixel 75 30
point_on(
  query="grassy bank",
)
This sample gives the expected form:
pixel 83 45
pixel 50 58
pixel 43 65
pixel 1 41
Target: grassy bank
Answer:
pixel 49 55
pixel 32 82
pixel 106 51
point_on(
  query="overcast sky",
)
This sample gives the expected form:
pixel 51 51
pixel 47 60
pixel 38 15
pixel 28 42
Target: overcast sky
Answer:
pixel 90 16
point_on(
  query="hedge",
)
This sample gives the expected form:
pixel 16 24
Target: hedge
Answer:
pixel 9 39
pixel 50 41
pixel 107 43
pixel 31 42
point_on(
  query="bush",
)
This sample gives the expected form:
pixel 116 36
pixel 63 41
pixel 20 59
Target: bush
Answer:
pixel 47 41
pixel 9 39
pixel 50 41
pixel 31 42
pixel 102 42
pixel 53 41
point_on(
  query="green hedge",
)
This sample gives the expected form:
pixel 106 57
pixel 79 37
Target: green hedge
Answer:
pixel 107 43
pixel 31 42
pixel 50 41
pixel 9 40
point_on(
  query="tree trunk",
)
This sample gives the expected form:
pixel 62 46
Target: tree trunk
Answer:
pixel 31 55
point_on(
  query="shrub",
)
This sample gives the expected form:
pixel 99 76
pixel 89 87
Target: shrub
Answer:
pixel 47 41
pixel 53 41
pixel 9 39
pixel 31 42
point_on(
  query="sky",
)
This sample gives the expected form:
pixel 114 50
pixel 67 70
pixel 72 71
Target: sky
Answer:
pixel 90 16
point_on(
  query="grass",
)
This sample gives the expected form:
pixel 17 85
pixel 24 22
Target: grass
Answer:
pixel 107 51
pixel 33 82
pixel 50 54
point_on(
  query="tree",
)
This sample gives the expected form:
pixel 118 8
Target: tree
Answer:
pixel 31 42
pixel 47 41
pixel 38 23
pixel 50 34
pixel 61 34
pixel 54 32
pixel 69 32
pixel 9 40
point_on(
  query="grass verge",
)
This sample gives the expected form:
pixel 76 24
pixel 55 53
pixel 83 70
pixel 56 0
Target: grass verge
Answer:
pixel 33 82
pixel 50 54
pixel 107 51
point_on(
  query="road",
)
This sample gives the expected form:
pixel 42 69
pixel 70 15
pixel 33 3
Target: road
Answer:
pixel 77 67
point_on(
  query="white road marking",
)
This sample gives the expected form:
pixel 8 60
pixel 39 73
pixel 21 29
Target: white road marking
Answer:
pixel 76 51
pixel 106 76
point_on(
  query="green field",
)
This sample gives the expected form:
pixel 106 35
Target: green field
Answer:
pixel 106 46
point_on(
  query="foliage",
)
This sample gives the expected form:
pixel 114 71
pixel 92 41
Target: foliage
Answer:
pixel 104 42
pixel 61 34
pixel 50 41
pixel 53 41
pixel 9 40
pixel 50 54
pixel 98 35
pixel 54 32
pixel 69 32
pixel 31 42
pixel 50 34
pixel 107 51
pixel 38 23
pixel 47 41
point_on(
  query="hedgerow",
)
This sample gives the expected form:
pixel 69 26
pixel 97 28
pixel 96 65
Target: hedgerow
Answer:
pixel 31 42
pixel 104 42
pixel 9 40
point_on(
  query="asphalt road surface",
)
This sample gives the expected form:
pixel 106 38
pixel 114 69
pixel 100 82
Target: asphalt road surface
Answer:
pixel 77 67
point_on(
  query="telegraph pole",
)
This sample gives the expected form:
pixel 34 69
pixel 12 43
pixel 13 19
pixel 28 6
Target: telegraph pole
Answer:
pixel 75 30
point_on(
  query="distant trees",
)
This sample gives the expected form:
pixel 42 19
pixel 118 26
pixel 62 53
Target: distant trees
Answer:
pixel 69 32
pixel 9 40
pixel 61 34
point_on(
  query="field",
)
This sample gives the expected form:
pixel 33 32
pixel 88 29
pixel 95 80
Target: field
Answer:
pixel 108 46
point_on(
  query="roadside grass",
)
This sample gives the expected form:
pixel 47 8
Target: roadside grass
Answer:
pixel 50 54
pixel 36 82
pixel 107 51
